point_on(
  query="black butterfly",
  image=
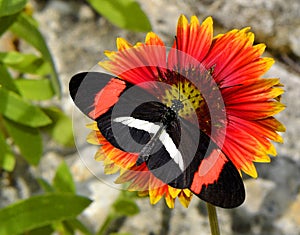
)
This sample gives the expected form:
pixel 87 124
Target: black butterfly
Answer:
pixel 176 151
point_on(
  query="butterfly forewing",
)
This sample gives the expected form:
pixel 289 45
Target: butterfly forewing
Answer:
pixel 84 88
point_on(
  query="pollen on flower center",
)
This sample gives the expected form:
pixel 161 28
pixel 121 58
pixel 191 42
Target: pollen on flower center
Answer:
pixel 184 93
pixel 185 98
pixel 177 105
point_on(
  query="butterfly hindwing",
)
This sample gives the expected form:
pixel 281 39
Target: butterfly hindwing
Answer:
pixel 211 175
pixel 208 172
pixel 217 181
pixel 226 191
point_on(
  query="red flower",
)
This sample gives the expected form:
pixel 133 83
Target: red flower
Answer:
pixel 219 78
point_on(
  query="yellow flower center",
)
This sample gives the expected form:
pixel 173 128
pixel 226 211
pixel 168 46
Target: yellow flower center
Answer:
pixel 185 92
pixel 182 89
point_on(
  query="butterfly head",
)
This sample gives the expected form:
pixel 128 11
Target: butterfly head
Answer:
pixel 177 105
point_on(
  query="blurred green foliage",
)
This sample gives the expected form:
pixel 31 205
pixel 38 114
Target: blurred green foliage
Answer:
pixel 126 14
pixel 28 81
pixel 57 209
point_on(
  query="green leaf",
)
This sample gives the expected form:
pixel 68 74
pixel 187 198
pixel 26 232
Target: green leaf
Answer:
pixel 118 234
pixel 15 108
pixel 35 89
pixel 61 128
pixel 126 14
pixel 76 224
pixel 63 228
pixel 12 57
pixel 45 185
pixel 46 230
pixel 7 21
pixel 28 140
pixel 39 211
pixel 125 206
pixel 63 179
pixel 7 159
pixel 9 7
pixel 6 80
pixel 26 29
pixel 25 63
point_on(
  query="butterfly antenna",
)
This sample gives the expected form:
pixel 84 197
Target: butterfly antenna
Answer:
pixel 178 68
pixel 190 98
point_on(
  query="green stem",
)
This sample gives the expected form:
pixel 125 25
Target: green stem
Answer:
pixel 213 219
pixel 106 224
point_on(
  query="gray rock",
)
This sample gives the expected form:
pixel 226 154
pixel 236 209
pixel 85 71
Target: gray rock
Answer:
pixel 289 222
pixel 290 116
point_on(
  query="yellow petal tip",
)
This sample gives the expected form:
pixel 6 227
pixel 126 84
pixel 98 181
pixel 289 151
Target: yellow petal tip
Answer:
pixel 122 44
pixel 153 39
pixel 182 22
pixel 250 170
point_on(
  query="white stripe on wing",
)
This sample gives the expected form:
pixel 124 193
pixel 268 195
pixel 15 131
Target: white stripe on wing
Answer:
pixel 153 128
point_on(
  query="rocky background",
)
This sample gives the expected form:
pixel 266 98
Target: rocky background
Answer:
pixel 77 37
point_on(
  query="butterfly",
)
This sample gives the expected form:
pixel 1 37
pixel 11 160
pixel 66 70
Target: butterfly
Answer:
pixel 174 149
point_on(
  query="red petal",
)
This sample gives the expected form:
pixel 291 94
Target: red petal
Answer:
pixel 139 63
pixel 193 40
pixel 262 89
pixel 231 53
pixel 254 110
